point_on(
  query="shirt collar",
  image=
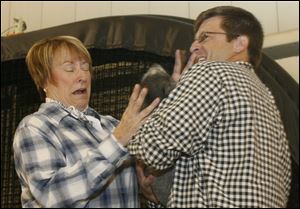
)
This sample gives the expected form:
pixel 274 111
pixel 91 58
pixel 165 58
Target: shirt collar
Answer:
pixel 55 101
pixel 57 111
pixel 245 64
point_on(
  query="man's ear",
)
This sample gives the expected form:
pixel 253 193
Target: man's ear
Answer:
pixel 241 44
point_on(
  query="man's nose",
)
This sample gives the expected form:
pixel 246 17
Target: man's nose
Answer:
pixel 195 46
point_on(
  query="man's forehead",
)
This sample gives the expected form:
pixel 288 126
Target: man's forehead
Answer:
pixel 213 20
pixel 210 24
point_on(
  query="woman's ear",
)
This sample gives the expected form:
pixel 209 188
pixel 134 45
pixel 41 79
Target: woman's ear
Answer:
pixel 241 44
pixel 45 87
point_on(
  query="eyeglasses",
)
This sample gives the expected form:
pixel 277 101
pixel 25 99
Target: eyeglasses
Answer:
pixel 204 35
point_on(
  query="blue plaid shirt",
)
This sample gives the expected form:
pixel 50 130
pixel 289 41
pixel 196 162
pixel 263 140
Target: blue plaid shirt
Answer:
pixel 63 161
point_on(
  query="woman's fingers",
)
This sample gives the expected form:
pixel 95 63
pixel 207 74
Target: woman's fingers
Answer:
pixel 140 100
pixel 137 98
pixel 146 112
pixel 135 94
pixel 133 117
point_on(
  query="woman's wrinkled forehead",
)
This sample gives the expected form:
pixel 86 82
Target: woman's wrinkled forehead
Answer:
pixel 67 53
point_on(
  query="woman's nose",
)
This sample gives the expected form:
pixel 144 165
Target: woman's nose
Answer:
pixel 82 75
pixel 82 79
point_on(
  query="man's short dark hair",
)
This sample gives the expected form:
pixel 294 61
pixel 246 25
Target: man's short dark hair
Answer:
pixel 238 21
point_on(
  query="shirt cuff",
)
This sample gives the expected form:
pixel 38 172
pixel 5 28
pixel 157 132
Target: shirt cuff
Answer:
pixel 120 145
pixel 112 151
pixel 154 205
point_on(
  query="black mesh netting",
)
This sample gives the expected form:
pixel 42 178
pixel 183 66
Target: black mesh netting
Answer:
pixel 114 74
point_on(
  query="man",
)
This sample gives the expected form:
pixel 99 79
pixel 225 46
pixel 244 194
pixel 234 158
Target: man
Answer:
pixel 220 126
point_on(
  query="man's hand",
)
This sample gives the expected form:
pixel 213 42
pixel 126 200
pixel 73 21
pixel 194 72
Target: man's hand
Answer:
pixel 133 117
pixel 145 182
pixel 180 66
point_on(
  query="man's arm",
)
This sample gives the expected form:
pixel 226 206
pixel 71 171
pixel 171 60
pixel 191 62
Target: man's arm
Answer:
pixel 182 121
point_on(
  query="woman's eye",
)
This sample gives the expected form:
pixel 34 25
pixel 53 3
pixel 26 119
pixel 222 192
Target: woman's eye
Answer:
pixel 69 67
pixel 85 66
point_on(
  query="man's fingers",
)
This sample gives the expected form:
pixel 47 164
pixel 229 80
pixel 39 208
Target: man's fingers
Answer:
pixel 179 65
pixel 178 60
pixel 192 60
pixel 140 170
pixel 149 180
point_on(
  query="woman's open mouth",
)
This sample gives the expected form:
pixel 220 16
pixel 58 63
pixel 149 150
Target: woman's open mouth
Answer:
pixel 80 91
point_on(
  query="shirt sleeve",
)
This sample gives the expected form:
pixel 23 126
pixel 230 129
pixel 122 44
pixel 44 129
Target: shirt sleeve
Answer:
pixel 42 166
pixel 154 205
pixel 181 123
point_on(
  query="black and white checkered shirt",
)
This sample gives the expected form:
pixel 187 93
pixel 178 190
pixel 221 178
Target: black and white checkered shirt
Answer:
pixel 221 129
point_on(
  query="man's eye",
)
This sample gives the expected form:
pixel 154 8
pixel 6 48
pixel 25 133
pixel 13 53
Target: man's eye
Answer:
pixel 203 37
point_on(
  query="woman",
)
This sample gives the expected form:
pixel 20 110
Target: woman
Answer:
pixel 66 154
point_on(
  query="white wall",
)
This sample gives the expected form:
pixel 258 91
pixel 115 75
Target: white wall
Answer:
pixel 280 19
pixel 275 16
pixel 291 65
